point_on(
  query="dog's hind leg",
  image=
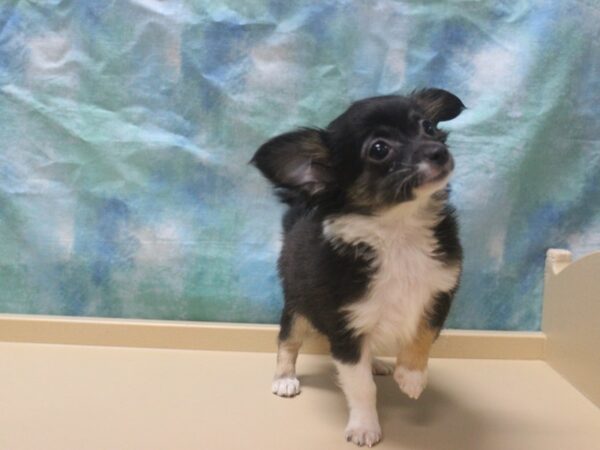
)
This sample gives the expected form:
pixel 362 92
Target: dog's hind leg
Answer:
pixel 381 367
pixel 291 335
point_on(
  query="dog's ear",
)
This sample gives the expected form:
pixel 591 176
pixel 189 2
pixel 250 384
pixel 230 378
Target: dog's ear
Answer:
pixel 299 160
pixel 438 105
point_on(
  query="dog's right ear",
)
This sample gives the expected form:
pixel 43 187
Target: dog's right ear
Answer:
pixel 299 160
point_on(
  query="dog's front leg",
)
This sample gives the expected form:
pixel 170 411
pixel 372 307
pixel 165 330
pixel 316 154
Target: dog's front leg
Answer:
pixel 411 365
pixel 356 380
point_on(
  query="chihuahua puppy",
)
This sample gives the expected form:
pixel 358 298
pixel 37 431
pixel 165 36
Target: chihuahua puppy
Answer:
pixel 371 257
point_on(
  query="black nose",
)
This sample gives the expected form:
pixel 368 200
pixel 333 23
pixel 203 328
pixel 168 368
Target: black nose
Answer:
pixel 437 154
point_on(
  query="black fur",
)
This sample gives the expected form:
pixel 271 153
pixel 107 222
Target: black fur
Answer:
pixel 318 280
pixel 441 307
pixel 337 170
pixel 446 234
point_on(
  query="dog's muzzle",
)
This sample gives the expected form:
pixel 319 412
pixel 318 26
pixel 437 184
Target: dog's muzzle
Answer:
pixel 437 163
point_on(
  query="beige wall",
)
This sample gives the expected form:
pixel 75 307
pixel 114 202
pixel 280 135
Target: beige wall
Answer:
pixel 571 319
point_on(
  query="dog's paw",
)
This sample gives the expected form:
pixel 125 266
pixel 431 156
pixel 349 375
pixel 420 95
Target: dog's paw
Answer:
pixel 286 387
pixel 361 434
pixel 411 382
pixel 382 367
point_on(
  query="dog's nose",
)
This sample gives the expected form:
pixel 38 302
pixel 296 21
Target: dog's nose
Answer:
pixel 437 154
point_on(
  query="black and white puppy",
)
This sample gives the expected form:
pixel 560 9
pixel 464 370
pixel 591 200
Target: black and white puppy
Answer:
pixel 371 256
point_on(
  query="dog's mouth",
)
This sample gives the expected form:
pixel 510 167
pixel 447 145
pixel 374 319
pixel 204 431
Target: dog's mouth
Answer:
pixel 404 182
pixel 421 173
pixel 435 173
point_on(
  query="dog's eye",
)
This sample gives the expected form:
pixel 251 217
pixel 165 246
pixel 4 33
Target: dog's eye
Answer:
pixel 428 127
pixel 379 150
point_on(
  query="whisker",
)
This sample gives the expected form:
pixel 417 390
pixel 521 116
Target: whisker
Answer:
pixel 402 189
pixel 399 171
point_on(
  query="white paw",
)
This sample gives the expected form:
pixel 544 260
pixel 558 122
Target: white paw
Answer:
pixel 363 434
pixel 411 382
pixel 382 367
pixel 286 387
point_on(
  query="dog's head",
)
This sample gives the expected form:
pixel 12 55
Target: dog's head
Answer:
pixel 379 152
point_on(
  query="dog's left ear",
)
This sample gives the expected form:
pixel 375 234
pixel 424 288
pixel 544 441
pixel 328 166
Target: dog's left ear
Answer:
pixel 438 105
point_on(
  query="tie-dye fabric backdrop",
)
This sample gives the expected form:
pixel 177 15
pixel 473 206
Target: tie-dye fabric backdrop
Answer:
pixel 126 127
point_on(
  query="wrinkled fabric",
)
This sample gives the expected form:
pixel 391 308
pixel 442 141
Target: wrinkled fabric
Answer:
pixel 126 128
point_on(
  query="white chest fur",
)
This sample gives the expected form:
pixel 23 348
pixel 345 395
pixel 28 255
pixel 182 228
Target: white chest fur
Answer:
pixel 407 276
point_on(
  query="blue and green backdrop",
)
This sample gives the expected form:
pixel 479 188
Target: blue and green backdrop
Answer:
pixel 126 128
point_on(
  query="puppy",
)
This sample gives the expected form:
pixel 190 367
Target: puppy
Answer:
pixel 371 257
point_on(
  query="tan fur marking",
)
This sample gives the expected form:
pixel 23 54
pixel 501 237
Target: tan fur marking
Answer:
pixel 287 351
pixel 415 354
